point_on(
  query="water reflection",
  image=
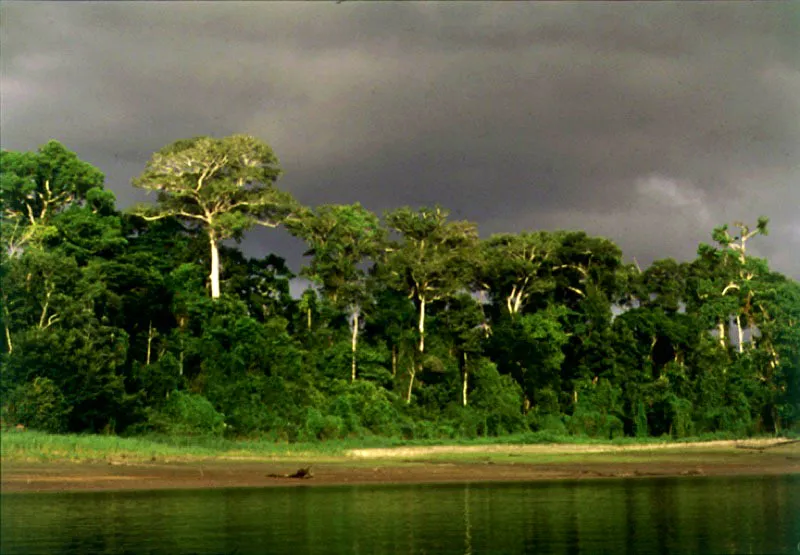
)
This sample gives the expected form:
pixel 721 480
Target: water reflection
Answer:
pixel 690 515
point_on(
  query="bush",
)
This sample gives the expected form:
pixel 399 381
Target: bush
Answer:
pixel 547 423
pixel 595 424
pixel 39 405
pixel 188 414
pixel 500 397
pixel 320 426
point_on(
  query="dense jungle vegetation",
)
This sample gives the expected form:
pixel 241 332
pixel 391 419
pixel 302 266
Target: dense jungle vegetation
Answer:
pixel 150 320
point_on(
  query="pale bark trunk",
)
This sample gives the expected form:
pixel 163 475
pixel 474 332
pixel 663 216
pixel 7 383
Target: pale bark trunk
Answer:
pixel 43 317
pixel 394 360
pixel 739 334
pixel 465 382
pixel 518 302
pixel 308 319
pixel 421 326
pixel 149 342
pixel 420 349
pixel 8 340
pixel 721 328
pixel 182 325
pixel 7 317
pixel 212 239
pixel 354 345
pixel 412 374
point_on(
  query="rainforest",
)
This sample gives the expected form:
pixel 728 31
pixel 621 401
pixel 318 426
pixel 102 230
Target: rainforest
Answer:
pixel 152 320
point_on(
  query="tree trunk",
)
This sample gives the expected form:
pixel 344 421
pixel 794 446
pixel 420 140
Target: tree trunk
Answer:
pixel 721 328
pixel 149 342
pixel 8 339
pixel 212 239
pixel 394 360
pixel 354 344
pixel 412 374
pixel 420 349
pixel 421 326
pixel 182 326
pixel 48 293
pixel 6 318
pixel 464 382
pixel 739 334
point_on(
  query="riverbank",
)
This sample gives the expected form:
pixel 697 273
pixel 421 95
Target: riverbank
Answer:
pixel 417 464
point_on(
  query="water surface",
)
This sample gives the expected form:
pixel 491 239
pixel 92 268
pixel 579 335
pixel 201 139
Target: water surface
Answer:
pixel 675 515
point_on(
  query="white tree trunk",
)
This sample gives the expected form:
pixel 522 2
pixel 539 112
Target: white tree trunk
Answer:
pixel 149 342
pixel 721 328
pixel 412 374
pixel 48 293
pixel 420 349
pixel 8 340
pixel 6 318
pixel 464 383
pixel 740 335
pixel 421 326
pixel 354 344
pixel 212 239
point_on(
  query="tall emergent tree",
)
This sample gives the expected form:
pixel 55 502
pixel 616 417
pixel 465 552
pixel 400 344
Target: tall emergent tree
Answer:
pixel 514 268
pixel 35 186
pixel 341 239
pixel 224 186
pixel 434 260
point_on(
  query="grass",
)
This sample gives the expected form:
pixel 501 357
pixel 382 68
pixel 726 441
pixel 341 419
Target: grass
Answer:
pixel 34 446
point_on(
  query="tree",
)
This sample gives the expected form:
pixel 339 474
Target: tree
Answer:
pixel 734 255
pixel 35 186
pixel 432 262
pixel 466 325
pixel 224 186
pixel 513 267
pixel 341 239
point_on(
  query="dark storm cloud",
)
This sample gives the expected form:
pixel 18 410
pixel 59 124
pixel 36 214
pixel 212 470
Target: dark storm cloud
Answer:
pixel 648 123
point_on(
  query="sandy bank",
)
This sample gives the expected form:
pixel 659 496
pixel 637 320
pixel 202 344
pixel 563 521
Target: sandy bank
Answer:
pixel 489 463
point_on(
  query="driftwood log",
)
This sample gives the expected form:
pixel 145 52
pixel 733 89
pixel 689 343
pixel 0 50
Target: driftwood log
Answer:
pixel 302 473
pixel 770 446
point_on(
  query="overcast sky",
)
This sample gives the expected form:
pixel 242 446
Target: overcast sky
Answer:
pixel 646 123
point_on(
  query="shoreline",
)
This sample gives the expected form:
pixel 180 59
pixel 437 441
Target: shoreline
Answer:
pixel 415 465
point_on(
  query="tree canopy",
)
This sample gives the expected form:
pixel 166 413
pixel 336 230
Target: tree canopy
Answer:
pixel 224 186
pixel 412 326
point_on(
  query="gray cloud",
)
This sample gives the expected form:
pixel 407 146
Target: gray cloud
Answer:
pixel 648 123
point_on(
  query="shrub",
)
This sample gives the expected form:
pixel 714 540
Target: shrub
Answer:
pixel 595 424
pixel 40 405
pixel 546 423
pixel 188 414
pixel 320 426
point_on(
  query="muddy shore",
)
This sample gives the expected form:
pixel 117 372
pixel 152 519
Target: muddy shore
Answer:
pixel 495 463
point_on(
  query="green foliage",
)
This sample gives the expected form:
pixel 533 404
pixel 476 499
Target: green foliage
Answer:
pixel 187 414
pixel 39 405
pixel 597 410
pixel 108 326
pixel 499 398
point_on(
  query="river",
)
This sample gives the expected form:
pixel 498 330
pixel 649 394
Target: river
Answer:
pixel 640 515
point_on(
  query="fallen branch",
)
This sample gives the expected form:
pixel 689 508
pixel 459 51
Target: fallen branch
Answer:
pixel 770 446
pixel 302 473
